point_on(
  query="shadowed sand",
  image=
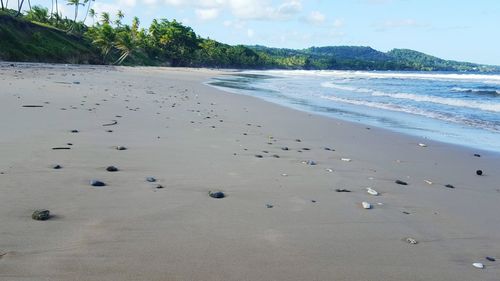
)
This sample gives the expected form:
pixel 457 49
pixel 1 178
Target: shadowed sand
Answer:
pixel 281 218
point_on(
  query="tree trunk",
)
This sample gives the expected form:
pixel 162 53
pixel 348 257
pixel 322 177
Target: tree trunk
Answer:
pixel 57 12
pixel 29 4
pixel 2 5
pixel 88 8
pixel 19 7
pixel 52 9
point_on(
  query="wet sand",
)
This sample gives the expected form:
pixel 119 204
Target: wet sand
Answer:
pixel 281 219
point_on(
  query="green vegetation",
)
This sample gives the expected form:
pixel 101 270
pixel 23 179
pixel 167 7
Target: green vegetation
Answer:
pixel 38 35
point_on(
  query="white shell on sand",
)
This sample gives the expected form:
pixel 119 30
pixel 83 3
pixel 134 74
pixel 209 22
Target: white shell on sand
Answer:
pixel 329 170
pixel 372 191
pixel 422 145
pixel 478 265
pixel 428 181
pixel 366 205
pixel 346 159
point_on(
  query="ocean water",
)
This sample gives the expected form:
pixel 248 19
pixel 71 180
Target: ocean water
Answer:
pixel 456 108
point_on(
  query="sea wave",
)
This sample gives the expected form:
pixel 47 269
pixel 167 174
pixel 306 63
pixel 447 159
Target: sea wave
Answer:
pixel 417 111
pixel 493 107
pixel 476 90
pixel 487 78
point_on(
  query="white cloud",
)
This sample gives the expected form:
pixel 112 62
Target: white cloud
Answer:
pixel 395 24
pixel 338 23
pixel 207 14
pixel 127 3
pixel 316 17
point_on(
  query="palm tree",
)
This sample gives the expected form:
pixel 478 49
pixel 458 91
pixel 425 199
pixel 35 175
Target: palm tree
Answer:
pixel 105 39
pixel 105 18
pixel 75 3
pixel 88 2
pixel 119 17
pixel 19 7
pixel 125 43
pixel 2 5
pixel 92 14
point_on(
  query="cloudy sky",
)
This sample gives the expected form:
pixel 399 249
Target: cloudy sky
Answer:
pixel 467 30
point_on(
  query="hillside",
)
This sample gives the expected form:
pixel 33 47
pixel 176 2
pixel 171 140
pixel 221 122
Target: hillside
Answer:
pixel 21 40
pixel 38 37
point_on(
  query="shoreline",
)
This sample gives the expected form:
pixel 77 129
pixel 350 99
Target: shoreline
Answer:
pixel 281 220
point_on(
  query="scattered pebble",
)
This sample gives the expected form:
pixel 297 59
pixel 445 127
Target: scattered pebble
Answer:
pixel 366 205
pixel 41 215
pixel 478 265
pixel 329 170
pixel 97 183
pixel 450 186
pixel 422 145
pixel 32 105
pixel 311 162
pixel 428 182
pixel 405 212
pixel 329 149
pixel 158 186
pixel 56 167
pixel 284 175
pixel 477 155
pixel 121 147
pixel 75 131
pixel 411 241
pixel 298 140
pixel 269 206
pixel 112 169
pixel 346 159
pixel 150 179
pixel 216 194
pixel 479 172
pixel 372 191
pixel 276 156
pixel 492 259
pixel 401 182
pixel 285 148
pixel 61 148
pixel 342 190
pixel 258 156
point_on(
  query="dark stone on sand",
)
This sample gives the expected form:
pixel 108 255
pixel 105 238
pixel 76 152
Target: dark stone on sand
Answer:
pixel 56 167
pixel 449 186
pixel 298 140
pixel 285 148
pixel 258 156
pixel 69 143
pixel 150 179
pixel 328 149
pixel 406 213
pixel 245 134
pixel 342 190
pixel 276 156
pixel 121 147
pixel 112 169
pixel 158 186
pixel 216 194
pixel 109 131
pixel 265 151
pixel 311 162
pixel 477 155
pixel 61 148
pixel 492 259
pixel 269 206
pixel 479 172
pixel 401 182
pixel 32 105
pixel 75 131
pixel 305 148
pixel 97 183
pixel 313 201
pixel 41 215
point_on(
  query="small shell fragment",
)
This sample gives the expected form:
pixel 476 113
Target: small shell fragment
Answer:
pixel 411 241
pixel 372 191
pixel 478 265
pixel 366 205
pixel 428 182
pixel 329 170
pixel 422 145
pixel 346 159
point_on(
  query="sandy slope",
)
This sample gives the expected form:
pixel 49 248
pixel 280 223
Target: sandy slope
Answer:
pixel 193 139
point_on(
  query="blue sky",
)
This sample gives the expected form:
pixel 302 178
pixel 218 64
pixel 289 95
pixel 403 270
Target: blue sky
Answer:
pixel 459 30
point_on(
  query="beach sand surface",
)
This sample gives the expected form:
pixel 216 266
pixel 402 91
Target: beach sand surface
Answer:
pixel 281 218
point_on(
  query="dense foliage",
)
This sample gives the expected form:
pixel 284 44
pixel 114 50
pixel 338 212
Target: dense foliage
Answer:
pixel 169 42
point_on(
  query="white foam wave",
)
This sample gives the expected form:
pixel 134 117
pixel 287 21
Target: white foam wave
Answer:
pixel 469 90
pixel 415 111
pixel 488 78
pixel 494 107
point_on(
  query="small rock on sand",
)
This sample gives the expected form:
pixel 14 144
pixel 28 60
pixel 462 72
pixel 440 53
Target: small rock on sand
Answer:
pixel 97 183
pixel 477 155
pixel 112 169
pixel 492 259
pixel 478 265
pixel 121 147
pixel 311 162
pixel 56 167
pixel 401 182
pixel 41 215
pixel 450 186
pixel 150 179
pixel 410 240
pixel 216 194
pixel 258 156
pixel 285 148
pixel 342 190
pixel 479 172
pixel 158 186
pixel 75 131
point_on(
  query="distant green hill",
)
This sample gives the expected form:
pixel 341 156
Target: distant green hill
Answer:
pixel 21 40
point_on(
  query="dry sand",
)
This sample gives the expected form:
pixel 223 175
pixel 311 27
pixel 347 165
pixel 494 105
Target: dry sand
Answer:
pixel 193 139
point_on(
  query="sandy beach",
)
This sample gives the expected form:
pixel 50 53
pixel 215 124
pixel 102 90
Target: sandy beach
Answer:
pixel 282 218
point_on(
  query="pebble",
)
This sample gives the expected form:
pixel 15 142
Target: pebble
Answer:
pixel 158 186
pixel 342 190
pixel 56 167
pixel 411 240
pixel 346 159
pixel 97 183
pixel 269 206
pixel 276 156
pixel 298 140
pixel 112 169
pixel 479 172
pixel 449 186
pixel 422 145
pixel 477 155
pixel 401 182
pixel 258 156
pixel 366 205
pixel 121 147
pixel 372 191
pixel 285 148
pixel 329 149
pixel 329 170
pixel 492 259
pixel 150 179
pixel 478 265
pixel 216 194
pixel 75 131
pixel 311 162
pixel 41 215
